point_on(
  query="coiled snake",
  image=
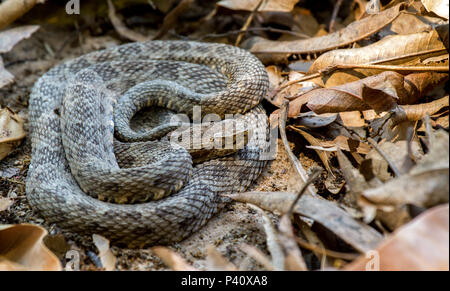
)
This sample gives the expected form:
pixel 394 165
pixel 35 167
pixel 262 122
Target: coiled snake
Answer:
pixel 80 174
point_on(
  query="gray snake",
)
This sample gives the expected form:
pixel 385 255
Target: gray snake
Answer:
pixel 79 166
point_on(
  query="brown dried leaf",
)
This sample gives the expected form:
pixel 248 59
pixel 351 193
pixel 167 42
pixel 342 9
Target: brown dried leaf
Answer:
pixel 250 5
pixel 381 92
pixel 352 33
pixel 422 244
pixel 440 7
pixel 275 77
pixel 398 155
pixel 426 185
pixel 360 236
pixel 323 155
pixel 407 50
pixel 296 89
pixel 11 131
pixel 22 248
pixel 11 10
pixel 389 126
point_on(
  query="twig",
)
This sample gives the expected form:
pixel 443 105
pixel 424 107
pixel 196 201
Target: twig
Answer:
pixel 121 28
pixel 247 23
pixel 270 29
pixel 383 154
pixel 387 68
pixel 310 180
pixel 292 158
pixel 337 6
pixel 14 181
pixel 171 18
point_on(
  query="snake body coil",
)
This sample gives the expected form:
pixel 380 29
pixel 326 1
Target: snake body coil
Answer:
pixel 79 169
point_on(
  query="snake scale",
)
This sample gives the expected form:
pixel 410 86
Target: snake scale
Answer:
pixel 140 190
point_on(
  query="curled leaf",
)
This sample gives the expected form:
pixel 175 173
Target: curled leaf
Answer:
pixel 352 33
pixel 11 131
pixel 106 256
pixel 422 244
pixel 22 248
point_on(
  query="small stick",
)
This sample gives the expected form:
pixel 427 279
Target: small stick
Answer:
pixel 247 23
pixel 388 68
pixel 270 29
pixel 334 15
pixel 310 180
pixel 292 158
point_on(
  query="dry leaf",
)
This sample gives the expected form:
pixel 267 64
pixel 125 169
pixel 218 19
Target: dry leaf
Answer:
pixel 104 252
pixel 353 32
pixel 405 50
pixel 426 185
pixel 397 153
pixel 250 5
pixel 275 77
pixel 381 92
pixel 422 244
pixel 440 7
pixel 9 38
pixel 314 142
pixel 5 202
pixel 22 248
pixel 11 131
pixel 360 236
pixel 10 10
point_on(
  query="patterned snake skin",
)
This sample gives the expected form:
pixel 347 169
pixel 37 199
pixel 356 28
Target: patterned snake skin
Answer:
pixel 80 174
